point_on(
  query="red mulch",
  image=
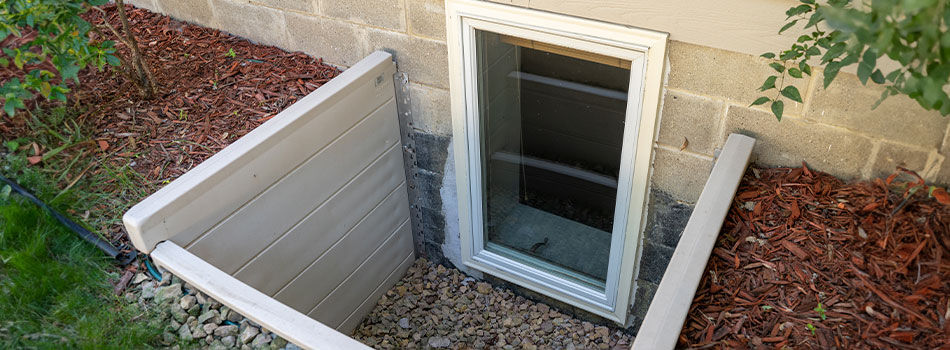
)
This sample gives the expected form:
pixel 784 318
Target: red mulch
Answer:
pixel 795 237
pixel 205 99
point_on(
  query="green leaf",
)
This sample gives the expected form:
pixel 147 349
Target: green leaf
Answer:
pixel 112 60
pixel 831 71
pixel 805 68
pixel 795 72
pixel 759 101
pixel 768 55
pixel 97 2
pixel 10 106
pixel 792 93
pixel 778 67
pixel 777 108
pixel 893 75
pixel 769 83
pixel 787 26
pixel 70 71
pixel 877 76
pixel 813 20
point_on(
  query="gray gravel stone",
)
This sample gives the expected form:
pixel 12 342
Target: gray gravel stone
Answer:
pixel 184 333
pixel 172 291
pixel 187 302
pixel 248 334
pixel 436 307
pixel 224 331
pixel 229 341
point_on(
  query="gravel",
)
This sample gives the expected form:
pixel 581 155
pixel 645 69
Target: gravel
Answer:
pixel 436 307
pixel 195 320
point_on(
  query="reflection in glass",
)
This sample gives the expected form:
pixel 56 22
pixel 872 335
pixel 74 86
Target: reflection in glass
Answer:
pixel 551 127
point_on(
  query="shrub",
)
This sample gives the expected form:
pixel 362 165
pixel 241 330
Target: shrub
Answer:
pixel 909 32
pixel 54 44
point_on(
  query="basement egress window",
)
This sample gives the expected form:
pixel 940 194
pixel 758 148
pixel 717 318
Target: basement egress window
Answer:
pixel 554 121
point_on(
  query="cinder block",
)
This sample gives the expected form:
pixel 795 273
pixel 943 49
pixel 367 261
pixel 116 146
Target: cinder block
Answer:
pixel 426 61
pixel 653 261
pixel 389 14
pixel 194 11
pixel 427 18
pixel 429 184
pixel 891 155
pixel 680 174
pixel 145 4
pixel 729 75
pixel 298 5
pixel 847 103
pixel 431 151
pixel 433 225
pixel 430 109
pixel 943 174
pixel 787 143
pixel 337 42
pixel 667 219
pixel 641 302
pixel 692 118
pixel 254 22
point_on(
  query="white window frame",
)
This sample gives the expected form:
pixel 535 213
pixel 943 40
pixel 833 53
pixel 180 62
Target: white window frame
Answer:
pixel 646 50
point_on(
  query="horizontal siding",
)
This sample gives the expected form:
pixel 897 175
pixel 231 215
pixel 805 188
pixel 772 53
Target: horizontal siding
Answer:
pixel 246 232
pixel 363 282
pixel 379 188
pixel 329 270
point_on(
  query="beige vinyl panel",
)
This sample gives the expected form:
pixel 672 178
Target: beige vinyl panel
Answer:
pixel 239 237
pixel 363 283
pixel 202 197
pixel 378 189
pixel 326 272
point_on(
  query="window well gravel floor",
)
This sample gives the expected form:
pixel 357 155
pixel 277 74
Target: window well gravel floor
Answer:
pixel 437 307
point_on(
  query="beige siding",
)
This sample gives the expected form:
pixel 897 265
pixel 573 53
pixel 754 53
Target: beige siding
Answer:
pixel 311 208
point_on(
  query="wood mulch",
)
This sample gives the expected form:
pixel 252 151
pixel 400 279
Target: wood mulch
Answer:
pixel 805 260
pixel 207 97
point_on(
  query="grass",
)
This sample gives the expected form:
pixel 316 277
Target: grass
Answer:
pixel 71 162
pixel 55 289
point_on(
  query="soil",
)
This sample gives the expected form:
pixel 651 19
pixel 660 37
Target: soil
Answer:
pixel 807 261
pixel 212 89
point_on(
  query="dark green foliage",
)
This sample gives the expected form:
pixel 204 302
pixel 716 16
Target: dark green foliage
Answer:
pixel 58 47
pixel 909 32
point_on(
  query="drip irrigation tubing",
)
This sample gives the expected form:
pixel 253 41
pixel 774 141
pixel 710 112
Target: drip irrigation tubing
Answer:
pixel 123 258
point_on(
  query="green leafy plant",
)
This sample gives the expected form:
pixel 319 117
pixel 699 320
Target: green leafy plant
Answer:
pixel 821 311
pixel 51 43
pixel 231 53
pixel 842 33
pixel 811 327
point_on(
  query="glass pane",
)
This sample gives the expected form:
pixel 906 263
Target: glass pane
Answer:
pixel 551 125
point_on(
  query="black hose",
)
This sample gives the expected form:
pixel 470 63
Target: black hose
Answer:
pixel 123 258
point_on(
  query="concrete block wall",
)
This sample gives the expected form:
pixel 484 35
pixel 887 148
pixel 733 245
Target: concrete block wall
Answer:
pixel 706 95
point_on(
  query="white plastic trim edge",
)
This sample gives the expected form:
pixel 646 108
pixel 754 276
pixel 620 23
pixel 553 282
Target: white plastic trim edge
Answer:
pixel 664 320
pixel 635 44
pixel 266 311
